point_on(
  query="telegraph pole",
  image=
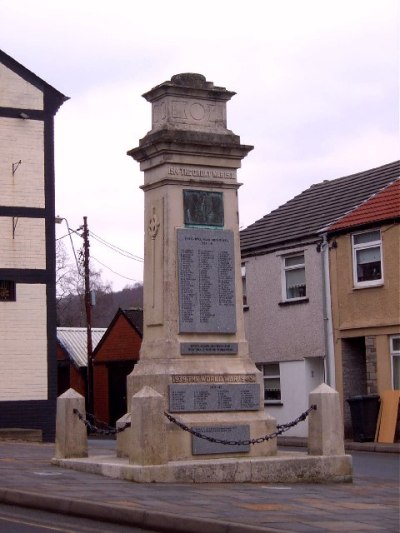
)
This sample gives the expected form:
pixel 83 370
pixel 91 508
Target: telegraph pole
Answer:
pixel 88 308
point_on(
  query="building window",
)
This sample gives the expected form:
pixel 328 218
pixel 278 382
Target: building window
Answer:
pixel 367 259
pixel 272 382
pixel 294 277
pixel 395 356
pixel 244 287
pixel 7 291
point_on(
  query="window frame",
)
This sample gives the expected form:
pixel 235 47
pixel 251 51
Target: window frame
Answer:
pixel 285 269
pixel 244 285
pixel 394 354
pixel 366 246
pixel 11 286
pixel 262 368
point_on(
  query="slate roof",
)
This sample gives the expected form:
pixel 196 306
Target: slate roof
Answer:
pixel 303 217
pixel 135 317
pixel 74 341
pixel 382 206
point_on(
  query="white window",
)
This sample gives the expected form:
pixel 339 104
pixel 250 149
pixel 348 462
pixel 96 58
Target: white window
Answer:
pixel 367 259
pixel 244 287
pixel 272 382
pixel 395 355
pixel 294 277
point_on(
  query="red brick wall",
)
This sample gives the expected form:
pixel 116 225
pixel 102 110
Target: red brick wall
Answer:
pixel 77 380
pixel 122 343
pixel 77 377
pixel 100 392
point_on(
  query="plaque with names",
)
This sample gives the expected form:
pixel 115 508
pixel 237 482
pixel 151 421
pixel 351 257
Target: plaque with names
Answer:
pixel 206 281
pixel 212 398
pixel 209 348
pixel 226 433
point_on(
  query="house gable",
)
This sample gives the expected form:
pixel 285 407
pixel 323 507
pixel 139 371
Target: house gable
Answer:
pixel 121 342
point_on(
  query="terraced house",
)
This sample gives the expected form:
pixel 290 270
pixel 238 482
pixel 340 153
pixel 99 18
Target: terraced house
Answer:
pixel 28 377
pixel 365 288
pixel 287 259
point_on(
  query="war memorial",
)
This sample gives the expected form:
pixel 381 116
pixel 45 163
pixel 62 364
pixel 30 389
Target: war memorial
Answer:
pixel 196 406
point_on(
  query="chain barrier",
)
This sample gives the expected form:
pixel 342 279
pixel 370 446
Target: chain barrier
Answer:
pixel 109 430
pixel 280 428
pixel 93 425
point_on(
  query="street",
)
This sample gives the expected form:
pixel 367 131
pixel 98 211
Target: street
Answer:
pixel 20 520
pixel 27 477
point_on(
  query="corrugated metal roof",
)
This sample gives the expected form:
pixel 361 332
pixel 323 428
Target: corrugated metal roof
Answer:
pixel 74 341
pixel 384 205
pixel 305 215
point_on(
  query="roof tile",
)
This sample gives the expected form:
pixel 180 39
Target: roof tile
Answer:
pixel 306 215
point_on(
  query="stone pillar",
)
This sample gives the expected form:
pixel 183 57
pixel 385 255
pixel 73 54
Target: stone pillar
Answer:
pixel 194 351
pixel 325 426
pixel 148 444
pixel 71 433
pixel 123 437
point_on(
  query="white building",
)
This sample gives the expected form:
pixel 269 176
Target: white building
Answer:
pixel 288 314
pixel 28 379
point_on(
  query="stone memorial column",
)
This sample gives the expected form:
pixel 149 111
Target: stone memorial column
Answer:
pixel 194 352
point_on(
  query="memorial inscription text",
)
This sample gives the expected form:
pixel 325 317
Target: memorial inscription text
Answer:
pixel 226 397
pixel 206 281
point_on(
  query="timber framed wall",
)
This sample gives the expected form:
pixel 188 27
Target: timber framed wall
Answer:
pixel 28 378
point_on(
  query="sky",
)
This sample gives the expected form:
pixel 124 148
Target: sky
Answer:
pixel 316 85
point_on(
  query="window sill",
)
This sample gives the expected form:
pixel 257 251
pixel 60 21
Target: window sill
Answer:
pixel 245 308
pixel 294 301
pixel 270 402
pixel 368 286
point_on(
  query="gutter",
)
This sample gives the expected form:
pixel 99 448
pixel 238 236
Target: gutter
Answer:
pixel 327 310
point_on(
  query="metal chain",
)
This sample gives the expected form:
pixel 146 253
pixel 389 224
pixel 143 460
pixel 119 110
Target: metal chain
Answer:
pixel 280 428
pixel 108 430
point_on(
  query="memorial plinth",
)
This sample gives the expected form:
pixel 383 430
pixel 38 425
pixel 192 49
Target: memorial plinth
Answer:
pixel 194 352
pixel 194 360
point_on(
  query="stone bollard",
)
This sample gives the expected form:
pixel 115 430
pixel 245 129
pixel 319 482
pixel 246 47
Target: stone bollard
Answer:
pixel 148 444
pixel 123 437
pixel 71 433
pixel 325 427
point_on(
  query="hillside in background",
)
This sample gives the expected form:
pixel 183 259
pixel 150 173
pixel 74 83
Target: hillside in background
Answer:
pixel 71 308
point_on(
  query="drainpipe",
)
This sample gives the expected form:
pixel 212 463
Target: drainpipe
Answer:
pixel 327 310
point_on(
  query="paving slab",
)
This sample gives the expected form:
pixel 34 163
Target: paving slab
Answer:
pixel 28 478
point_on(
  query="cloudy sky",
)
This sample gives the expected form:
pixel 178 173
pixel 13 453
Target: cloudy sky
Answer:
pixel 316 83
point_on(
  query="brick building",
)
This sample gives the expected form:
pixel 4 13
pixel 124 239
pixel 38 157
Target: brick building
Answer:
pixel 27 249
pixel 113 359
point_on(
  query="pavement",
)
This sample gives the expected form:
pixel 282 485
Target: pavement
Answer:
pixel 28 479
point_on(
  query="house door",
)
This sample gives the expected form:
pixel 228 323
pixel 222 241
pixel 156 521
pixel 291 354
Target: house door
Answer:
pixel 117 374
pixel 354 374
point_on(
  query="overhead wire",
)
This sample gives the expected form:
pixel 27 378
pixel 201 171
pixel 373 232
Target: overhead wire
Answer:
pixel 109 245
pixel 113 271
pixel 117 249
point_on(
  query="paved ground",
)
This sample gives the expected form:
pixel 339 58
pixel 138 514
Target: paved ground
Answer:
pixel 366 505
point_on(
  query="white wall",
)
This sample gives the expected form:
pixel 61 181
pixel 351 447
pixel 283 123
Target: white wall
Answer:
pixel 21 140
pixel 298 379
pixel 16 92
pixel 28 247
pixel 23 348
pixel 283 332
